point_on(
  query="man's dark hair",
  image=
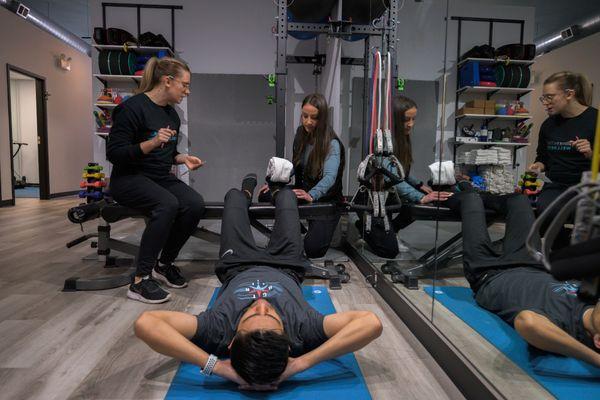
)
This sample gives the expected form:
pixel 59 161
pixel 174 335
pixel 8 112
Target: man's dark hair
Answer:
pixel 260 356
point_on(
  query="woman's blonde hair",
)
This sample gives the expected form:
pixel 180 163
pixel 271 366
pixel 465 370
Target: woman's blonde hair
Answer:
pixel 568 80
pixel 156 68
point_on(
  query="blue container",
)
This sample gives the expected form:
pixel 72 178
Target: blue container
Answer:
pixel 469 74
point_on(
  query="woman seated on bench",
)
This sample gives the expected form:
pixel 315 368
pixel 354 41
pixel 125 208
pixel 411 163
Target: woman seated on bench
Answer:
pixel 547 313
pixel 142 146
pixel 410 191
pixel 260 319
pixel 318 158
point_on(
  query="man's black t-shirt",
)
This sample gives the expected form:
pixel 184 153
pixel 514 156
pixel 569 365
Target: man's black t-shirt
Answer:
pixel 523 288
pixel 302 323
pixel 564 164
pixel 134 121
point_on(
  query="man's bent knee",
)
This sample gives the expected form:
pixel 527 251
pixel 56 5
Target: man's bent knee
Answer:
pixel 143 324
pixel 526 321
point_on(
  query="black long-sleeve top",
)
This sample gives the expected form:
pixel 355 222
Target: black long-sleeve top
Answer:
pixel 564 164
pixel 134 121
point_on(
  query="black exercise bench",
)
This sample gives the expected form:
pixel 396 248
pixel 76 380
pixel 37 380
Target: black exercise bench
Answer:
pixel 112 212
pixel 450 250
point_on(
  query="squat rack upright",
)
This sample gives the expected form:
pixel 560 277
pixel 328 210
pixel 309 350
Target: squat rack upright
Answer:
pixel 387 32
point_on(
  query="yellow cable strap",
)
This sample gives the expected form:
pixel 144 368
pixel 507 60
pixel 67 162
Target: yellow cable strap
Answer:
pixel 596 151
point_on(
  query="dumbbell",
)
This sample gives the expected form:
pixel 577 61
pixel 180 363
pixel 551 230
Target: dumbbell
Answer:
pixel 93 167
pixel 389 268
pixel 97 184
pixel 97 175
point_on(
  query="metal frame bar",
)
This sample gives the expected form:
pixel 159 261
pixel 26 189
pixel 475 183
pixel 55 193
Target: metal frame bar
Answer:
pixel 281 83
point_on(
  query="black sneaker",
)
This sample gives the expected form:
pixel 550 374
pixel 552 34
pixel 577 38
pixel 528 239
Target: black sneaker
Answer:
pixel 248 185
pixel 148 291
pixel 170 275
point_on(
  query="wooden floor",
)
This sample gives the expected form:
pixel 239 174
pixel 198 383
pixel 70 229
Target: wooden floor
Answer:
pixel 56 345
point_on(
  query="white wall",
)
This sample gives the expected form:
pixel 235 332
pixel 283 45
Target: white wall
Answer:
pixel 25 130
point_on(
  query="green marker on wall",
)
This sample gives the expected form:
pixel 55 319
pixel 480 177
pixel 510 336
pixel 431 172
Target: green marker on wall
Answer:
pixel 400 84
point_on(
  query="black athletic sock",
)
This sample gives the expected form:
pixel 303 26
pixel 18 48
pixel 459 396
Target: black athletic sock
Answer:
pixel 274 188
pixel 248 185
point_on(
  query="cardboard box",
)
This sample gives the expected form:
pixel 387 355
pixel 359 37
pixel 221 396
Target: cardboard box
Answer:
pixel 470 110
pixel 475 104
pixel 490 104
pixel 490 111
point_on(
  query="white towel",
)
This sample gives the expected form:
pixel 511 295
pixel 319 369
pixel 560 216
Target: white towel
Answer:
pixel 447 173
pixel 279 170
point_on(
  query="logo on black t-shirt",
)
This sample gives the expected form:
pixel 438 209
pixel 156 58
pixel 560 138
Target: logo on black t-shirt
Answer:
pixel 560 147
pixel 567 288
pixel 258 290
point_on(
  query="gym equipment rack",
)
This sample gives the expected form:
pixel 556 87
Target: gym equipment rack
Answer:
pixel 341 28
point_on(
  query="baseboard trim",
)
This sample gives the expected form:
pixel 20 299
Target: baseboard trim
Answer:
pixel 6 203
pixel 63 194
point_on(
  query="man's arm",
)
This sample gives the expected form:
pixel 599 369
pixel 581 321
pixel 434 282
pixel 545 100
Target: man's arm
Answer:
pixel 542 333
pixel 347 332
pixel 169 333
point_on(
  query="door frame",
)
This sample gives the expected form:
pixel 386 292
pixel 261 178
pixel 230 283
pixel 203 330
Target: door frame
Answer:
pixel 42 128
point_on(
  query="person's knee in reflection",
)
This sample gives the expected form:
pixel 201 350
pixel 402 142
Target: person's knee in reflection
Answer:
pixel 547 313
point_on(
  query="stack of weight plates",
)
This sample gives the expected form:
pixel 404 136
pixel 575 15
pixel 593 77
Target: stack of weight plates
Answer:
pixel 117 62
pixel 512 75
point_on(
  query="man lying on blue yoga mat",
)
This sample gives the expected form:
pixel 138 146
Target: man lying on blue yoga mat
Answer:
pixel 547 313
pixel 260 320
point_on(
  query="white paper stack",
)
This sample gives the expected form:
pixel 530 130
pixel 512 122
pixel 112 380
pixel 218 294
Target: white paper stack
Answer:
pixel 504 155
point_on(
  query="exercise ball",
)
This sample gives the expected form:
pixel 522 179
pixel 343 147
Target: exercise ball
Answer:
pixel 310 10
pixel 362 12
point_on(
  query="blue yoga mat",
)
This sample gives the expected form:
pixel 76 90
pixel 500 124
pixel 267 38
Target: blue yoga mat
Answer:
pixel 339 378
pixel 565 378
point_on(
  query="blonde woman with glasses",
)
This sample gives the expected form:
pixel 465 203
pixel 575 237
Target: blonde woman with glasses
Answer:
pixel 564 148
pixel 142 146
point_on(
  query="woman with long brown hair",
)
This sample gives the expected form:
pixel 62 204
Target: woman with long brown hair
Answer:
pixel 142 146
pixel 318 158
pixel 564 148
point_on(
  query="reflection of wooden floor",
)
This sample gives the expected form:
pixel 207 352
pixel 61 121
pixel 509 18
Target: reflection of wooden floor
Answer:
pixel 507 377
pixel 56 345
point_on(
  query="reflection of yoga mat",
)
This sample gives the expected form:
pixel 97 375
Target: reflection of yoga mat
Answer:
pixel 554 373
pixel 339 378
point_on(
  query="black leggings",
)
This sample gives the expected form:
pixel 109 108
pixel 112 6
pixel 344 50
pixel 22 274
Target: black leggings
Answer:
pixel 173 209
